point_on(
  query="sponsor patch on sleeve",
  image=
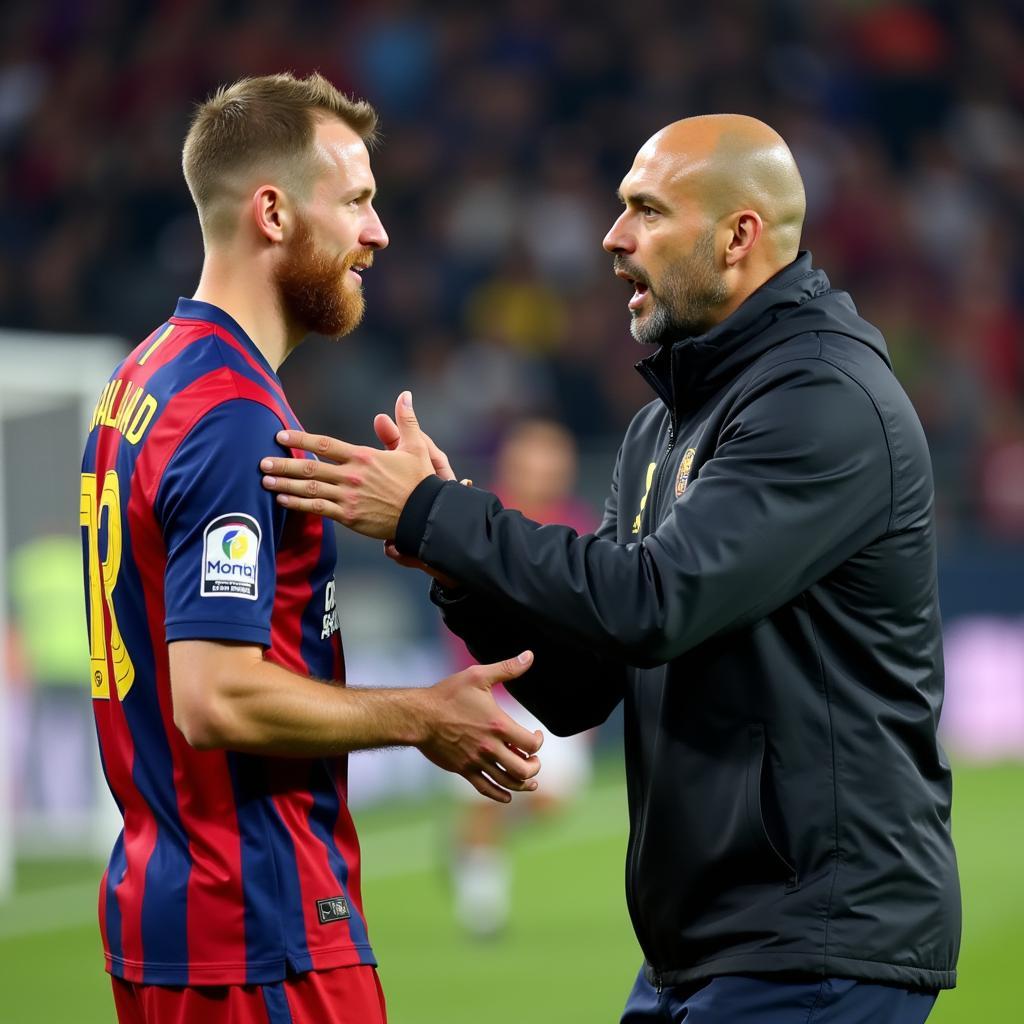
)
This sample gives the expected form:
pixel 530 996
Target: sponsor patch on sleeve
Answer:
pixel 231 549
pixel 334 909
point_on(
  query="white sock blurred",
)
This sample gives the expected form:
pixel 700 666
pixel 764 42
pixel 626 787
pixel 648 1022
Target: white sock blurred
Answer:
pixel 482 890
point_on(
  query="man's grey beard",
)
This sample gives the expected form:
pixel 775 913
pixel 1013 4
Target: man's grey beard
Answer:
pixel 691 290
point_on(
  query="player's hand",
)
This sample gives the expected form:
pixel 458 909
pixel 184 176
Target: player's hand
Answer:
pixel 408 562
pixel 362 488
pixel 469 734
pixel 391 437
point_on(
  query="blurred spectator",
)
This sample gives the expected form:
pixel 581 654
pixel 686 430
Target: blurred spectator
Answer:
pixel 518 309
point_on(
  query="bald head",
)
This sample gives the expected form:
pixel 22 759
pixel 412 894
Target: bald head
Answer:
pixel 730 162
pixel 714 207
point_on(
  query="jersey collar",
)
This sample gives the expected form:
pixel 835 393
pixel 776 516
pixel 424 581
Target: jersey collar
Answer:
pixel 193 309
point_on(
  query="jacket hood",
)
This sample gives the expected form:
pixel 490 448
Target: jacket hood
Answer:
pixel 798 300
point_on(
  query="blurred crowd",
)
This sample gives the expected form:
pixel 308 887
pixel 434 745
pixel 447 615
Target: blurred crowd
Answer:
pixel 506 129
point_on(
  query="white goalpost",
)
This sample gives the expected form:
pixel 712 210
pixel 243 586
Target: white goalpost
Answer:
pixel 49 385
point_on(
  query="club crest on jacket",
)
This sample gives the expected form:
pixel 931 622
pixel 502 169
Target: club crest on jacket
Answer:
pixel 683 476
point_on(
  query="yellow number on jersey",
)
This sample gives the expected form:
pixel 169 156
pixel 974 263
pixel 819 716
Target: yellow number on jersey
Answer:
pixel 102 580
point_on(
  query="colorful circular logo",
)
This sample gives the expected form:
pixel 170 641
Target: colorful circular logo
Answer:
pixel 234 544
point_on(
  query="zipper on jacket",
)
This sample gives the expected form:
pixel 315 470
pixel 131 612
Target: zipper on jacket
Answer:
pixel 631 900
pixel 659 473
pixel 632 858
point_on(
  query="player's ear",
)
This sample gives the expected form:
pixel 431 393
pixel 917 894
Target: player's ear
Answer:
pixel 745 229
pixel 270 212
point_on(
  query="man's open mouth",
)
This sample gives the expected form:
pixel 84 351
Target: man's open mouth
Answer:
pixel 640 287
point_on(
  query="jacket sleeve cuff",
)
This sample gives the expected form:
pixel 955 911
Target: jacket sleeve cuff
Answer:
pixel 412 523
pixel 444 598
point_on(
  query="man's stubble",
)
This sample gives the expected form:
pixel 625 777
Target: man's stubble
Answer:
pixel 686 297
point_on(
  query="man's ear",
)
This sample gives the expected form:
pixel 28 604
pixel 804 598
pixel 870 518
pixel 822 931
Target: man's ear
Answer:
pixel 271 212
pixel 746 228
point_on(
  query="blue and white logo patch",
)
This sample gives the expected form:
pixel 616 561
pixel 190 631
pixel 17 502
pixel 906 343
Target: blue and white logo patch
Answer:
pixel 231 549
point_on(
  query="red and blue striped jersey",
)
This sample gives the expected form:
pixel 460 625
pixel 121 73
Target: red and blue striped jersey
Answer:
pixel 231 868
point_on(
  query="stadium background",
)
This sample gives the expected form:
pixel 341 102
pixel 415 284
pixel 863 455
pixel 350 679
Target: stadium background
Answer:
pixel 506 128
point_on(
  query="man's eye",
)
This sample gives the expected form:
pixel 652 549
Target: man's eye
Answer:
pixel 648 211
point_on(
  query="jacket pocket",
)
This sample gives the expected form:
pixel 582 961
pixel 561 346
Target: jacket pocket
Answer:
pixel 759 797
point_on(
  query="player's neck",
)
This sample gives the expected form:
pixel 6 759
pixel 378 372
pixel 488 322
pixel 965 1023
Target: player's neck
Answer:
pixel 255 309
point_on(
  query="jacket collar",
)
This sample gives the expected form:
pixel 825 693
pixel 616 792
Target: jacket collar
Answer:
pixel 685 372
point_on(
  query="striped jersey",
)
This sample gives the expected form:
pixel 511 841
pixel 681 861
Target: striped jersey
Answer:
pixel 231 868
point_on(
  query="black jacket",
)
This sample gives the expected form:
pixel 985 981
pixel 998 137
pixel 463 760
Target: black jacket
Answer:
pixel 762 595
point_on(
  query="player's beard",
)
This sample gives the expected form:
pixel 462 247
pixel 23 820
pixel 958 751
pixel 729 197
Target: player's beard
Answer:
pixel 315 289
pixel 689 292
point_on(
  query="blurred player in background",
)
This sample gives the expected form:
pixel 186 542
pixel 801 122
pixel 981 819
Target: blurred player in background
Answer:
pixel 233 892
pixel 535 472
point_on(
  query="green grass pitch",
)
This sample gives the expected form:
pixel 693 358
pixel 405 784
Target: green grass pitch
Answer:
pixel 570 953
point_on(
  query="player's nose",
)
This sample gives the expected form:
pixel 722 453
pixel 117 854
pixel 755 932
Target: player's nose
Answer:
pixel 373 235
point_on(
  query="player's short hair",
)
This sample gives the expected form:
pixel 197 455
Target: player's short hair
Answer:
pixel 262 123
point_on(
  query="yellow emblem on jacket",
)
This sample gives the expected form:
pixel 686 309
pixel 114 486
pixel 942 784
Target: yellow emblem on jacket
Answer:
pixel 683 476
pixel 643 501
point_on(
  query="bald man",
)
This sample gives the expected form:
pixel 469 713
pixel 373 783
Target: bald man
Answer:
pixel 761 596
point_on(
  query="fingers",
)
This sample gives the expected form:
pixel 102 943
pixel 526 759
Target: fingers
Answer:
pixel 318 506
pixel 319 444
pixel 510 668
pixel 409 562
pixel 404 560
pixel 408 425
pixel 518 737
pixel 386 430
pixel 309 469
pixel 389 435
pixel 304 484
pixel 485 787
pixel 302 469
pixel 510 730
pixel 517 771
pixel 496 782
pixel 438 459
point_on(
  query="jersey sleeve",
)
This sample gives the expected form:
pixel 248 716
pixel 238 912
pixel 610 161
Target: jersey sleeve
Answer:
pixel 221 527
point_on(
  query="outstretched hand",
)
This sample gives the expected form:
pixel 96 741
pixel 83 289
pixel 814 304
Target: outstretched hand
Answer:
pixel 390 436
pixel 362 488
pixel 470 735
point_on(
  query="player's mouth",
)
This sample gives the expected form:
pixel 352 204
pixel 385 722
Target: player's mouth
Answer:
pixel 640 286
pixel 358 266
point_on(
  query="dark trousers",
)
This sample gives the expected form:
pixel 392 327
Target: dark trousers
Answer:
pixel 742 1000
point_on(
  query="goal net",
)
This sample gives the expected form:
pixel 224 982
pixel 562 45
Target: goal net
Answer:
pixel 52 799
